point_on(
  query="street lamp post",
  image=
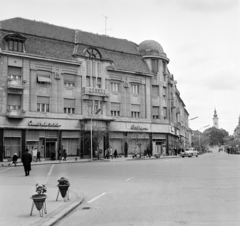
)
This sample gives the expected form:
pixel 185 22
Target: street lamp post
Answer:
pixel 199 135
pixel 191 130
pixel 91 134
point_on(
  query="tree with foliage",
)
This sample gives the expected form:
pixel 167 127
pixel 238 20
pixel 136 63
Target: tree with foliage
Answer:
pixel 215 135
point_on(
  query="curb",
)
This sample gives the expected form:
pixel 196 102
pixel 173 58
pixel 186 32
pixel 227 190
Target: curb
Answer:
pixel 57 215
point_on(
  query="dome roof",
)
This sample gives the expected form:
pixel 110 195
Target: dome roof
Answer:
pixel 150 45
pixel 152 48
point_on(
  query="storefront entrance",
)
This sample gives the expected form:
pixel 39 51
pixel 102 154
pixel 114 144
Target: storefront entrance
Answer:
pixel 51 147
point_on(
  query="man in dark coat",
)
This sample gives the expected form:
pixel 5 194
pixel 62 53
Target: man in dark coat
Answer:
pixel 26 160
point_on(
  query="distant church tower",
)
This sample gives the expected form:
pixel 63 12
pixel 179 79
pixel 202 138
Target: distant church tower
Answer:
pixel 215 120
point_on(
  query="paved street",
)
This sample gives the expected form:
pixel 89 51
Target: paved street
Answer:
pixel 177 191
pixel 171 191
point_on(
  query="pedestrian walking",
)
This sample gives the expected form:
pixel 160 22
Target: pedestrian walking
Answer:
pixel 107 153
pixel 38 156
pixel 34 154
pixel 26 160
pixel 115 154
pixel 14 159
pixel 111 152
pixel 64 155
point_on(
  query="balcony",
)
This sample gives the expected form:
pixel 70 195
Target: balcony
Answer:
pixel 15 113
pixel 16 84
pixel 95 91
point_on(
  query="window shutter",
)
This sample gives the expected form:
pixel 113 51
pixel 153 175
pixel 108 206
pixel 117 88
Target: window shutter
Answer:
pixel 42 100
pixel 69 103
pixel 135 107
pixel 155 91
pixel 14 71
pixel 115 106
pixel 14 100
pixel 68 77
pixel 155 111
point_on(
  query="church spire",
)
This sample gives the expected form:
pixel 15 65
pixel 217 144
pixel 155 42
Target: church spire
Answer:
pixel 215 119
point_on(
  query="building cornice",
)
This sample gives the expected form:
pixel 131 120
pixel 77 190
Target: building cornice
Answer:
pixel 111 68
pixel 36 57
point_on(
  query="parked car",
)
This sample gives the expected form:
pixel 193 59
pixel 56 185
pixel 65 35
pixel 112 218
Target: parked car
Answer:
pixel 189 152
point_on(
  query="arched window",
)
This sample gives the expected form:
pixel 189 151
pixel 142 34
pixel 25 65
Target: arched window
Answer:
pixel 93 53
pixel 15 42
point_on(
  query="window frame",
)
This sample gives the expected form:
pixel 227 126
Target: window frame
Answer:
pixel 135 89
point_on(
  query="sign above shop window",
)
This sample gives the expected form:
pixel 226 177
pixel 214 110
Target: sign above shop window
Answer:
pixel 138 128
pixel 44 124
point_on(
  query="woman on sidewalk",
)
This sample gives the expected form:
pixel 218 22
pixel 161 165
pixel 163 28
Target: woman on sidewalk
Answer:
pixel 64 155
pixel 14 159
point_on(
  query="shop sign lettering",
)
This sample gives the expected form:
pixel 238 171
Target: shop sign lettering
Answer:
pixel 138 128
pixel 44 124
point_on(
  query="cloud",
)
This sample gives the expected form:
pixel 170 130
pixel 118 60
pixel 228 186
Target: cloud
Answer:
pixel 207 5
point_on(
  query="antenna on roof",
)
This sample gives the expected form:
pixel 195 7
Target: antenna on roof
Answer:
pixel 106 25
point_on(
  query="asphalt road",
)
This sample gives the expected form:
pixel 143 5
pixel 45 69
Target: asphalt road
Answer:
pixel 174 191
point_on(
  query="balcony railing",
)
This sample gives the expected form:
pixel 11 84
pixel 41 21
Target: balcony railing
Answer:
pixel 95 91
pixel 15 113
pixel 16 84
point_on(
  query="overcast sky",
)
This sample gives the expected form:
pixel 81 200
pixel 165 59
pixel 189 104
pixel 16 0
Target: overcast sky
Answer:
pixel 200 37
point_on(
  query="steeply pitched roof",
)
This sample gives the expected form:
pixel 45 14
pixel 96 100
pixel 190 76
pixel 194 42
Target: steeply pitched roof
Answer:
pixel 37 28
pixel 106 42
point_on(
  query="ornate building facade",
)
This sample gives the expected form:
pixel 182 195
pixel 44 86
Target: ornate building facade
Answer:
pixel 54 79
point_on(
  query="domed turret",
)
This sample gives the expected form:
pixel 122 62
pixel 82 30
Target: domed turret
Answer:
pixel 149 48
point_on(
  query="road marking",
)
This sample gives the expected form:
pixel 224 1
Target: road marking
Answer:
pixel 92 200
pixel 5 170
pixel 49 173
pixel 129 179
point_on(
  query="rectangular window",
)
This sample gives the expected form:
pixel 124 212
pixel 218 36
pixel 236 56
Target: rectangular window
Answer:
pixel 165 113
pixel 14 102
pixel 135 89
pixel 135 111
pixel 115 109
pixel 42 104
pixel 154 66
pixel 88 81
pixel 155 112
pixel 155 91
pixel 44 77
pixel 164 91
pixel 69 106
pixel 99 83
pixel 115 87
pixel 14 73
pixel 115 113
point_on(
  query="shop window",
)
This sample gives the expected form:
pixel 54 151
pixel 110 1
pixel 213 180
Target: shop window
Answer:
pixel 15 42
pixel 135 89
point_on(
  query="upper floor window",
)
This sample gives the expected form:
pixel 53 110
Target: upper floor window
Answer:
pixel 92 53
pixel 154 66
pixel 115 87
pixel 42 104
pixel 69 81
pixel 14 73
pixel 15 42
pixel 135 89
pixel 155 91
